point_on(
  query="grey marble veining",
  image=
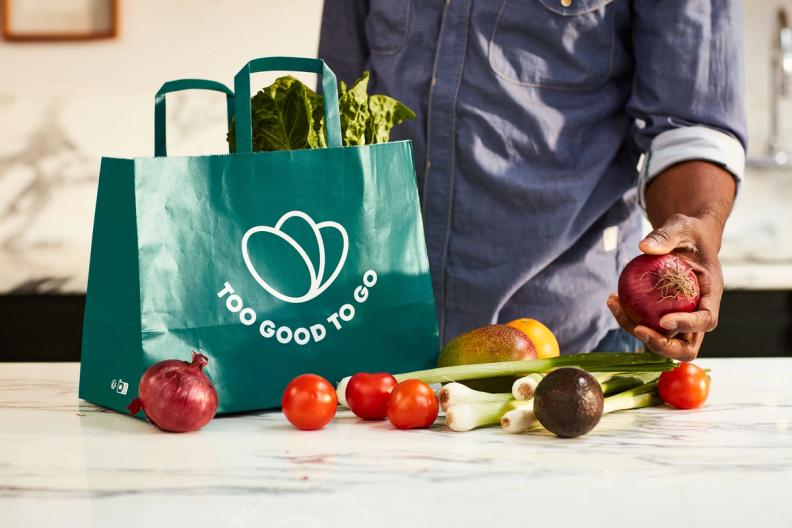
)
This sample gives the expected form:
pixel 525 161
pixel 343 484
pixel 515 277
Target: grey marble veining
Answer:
pixel 49 174
pixel 47 164
pixel 65 462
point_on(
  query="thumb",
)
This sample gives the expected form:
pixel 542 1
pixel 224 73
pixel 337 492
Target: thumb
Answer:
pixel 667 237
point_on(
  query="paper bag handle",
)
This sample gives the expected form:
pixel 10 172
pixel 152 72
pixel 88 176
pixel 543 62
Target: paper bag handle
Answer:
pixel 160 148
pixel 244 135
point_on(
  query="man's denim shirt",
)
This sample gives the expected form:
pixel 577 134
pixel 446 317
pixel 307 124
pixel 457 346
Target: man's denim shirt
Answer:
pixel 532 117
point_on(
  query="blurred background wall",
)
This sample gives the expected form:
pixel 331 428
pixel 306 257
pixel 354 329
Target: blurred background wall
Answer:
pixel 64 105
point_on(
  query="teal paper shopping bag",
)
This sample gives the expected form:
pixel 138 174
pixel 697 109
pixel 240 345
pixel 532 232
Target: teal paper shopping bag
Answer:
pixel 272 264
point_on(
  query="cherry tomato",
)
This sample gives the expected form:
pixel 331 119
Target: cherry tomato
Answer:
pixel 367 394
pixel 412 405
pixel 684 387
pixel 309 402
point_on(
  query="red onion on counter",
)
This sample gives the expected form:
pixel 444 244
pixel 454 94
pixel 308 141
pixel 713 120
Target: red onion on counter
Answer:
pixel 176 395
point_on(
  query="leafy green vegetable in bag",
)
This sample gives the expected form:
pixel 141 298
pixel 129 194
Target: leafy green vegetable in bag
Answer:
pixel 354 110
pixel 385 113
pixel 288 115
pixel 282 117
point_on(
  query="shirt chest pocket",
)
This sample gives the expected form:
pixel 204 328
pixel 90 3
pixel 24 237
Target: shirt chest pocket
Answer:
pixel 541 43
pixel 387 24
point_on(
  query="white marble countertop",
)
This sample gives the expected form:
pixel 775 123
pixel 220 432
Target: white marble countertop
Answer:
pixel 65 462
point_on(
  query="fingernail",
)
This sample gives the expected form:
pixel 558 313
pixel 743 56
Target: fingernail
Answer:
pixel 643 337
pixel 651 242
pixel 669 325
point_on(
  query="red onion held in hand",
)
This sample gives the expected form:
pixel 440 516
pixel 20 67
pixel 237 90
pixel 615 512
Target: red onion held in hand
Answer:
pixel 652 286
pixel 176 395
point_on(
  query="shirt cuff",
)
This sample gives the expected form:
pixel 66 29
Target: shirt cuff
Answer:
pixel 691 143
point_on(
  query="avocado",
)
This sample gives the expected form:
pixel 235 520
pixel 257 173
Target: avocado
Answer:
pixel 488 344
pixel 568 402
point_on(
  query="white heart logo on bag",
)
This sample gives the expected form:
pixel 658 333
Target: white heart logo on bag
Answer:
pixel 317 274
pixel 320 274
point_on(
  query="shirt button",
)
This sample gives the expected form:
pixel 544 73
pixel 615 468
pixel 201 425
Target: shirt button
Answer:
pixel 434 81
pixel 566 3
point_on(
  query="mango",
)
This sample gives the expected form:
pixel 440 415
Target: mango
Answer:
pixel 488 344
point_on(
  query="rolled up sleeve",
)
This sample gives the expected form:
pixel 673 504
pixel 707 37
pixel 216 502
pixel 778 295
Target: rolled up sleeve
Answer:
pixel 688 88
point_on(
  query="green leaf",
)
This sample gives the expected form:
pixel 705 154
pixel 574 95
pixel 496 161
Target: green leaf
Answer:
pixel 386 112
pixel 354 110
pixel 282 117
pixel 288 115
pixel 317 118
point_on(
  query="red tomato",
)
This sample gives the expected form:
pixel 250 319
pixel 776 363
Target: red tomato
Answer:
pixel 367 394
pixel 412 405
pixel 685 387
pixel 309 402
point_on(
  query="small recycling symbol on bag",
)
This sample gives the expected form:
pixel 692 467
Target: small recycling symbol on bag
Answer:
pixel 302 257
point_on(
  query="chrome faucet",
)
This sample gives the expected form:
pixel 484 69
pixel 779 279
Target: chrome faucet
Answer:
pixel 781 71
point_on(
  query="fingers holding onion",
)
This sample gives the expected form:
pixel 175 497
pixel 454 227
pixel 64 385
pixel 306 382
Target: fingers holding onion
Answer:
pixel 652 286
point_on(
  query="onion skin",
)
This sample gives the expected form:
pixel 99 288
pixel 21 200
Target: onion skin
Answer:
pixel 176 395
pixel 651 286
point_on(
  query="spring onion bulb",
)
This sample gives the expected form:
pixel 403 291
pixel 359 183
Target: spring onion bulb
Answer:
pixel 592 362
pixel 468 416
pixel 519 420
pixel 341 391
pixel 456 393
pixel 523 388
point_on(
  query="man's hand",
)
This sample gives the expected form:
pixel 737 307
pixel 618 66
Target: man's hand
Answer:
pixel 693 239
pixel 688 204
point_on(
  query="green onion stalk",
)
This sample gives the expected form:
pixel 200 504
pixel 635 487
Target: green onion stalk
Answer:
pixel 641 396
pixel 523 419
pixel 620 382
pixel 456 393
pixel 468 409
pixel 519 420
pixel 604 362
pixel 593 362
pixel 468 416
